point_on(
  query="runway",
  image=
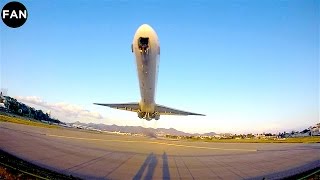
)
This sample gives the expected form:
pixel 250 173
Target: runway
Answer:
pixel 91 155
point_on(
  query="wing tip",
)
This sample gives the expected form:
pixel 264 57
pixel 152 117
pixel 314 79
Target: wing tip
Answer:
pixel 199 114
pixel 172 111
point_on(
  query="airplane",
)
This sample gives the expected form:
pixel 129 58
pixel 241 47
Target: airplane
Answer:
pixel 146 48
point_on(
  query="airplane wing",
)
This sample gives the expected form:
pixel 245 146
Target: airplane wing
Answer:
pixel 134 107
pixel 163 110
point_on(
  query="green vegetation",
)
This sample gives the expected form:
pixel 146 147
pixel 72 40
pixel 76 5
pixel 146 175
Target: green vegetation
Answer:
pixel 230 139
pixel 13 106
pixel 20 120
pixel 308 139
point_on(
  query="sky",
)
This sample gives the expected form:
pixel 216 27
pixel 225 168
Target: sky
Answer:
pixel 250 66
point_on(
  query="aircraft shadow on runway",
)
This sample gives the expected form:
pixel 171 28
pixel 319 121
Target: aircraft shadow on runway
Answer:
pixel 150 164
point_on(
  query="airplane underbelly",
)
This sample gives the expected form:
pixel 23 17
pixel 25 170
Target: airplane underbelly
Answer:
pixel 147 73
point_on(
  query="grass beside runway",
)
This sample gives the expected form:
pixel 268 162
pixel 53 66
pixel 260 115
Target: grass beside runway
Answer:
pixel 20 120
pixel 309 139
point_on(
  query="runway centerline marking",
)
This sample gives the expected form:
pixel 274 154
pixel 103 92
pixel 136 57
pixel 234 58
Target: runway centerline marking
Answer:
pixel 151 142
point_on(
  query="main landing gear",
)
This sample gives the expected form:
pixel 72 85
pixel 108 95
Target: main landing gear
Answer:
pixel 148 116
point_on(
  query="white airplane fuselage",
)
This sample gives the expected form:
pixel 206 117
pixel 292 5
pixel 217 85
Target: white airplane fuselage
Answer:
pixel 147 61
pixel 146 48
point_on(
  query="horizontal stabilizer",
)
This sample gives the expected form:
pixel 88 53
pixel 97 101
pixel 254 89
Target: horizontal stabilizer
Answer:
pixel 163 110
pixel 134 107
pixel 159 109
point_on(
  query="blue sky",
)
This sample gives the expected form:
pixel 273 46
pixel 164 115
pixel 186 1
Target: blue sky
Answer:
pixel 250 66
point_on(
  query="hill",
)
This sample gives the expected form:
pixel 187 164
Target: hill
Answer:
pixel 135 129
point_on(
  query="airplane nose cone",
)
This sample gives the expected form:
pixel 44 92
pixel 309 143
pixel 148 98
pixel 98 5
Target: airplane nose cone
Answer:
pixel 145 30
pixel 145 27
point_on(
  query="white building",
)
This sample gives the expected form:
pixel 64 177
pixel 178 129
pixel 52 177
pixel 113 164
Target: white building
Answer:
pixel 315 130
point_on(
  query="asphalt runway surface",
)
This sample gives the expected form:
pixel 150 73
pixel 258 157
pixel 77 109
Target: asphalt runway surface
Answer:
pixel 91 155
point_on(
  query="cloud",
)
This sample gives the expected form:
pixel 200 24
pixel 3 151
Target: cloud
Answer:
pixel 70 110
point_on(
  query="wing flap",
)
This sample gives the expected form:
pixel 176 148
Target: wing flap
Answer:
pixel 163 110
pixel 134 107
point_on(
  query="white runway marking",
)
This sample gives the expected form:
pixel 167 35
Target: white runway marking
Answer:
pixel 150 142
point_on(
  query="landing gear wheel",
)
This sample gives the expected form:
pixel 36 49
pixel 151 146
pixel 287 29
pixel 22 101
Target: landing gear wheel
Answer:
pixel 140 115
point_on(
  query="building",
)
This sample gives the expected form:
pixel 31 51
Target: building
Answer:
pixel 315 130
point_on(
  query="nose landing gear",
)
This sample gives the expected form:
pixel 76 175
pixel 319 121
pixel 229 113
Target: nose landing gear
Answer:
pixel 143 43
